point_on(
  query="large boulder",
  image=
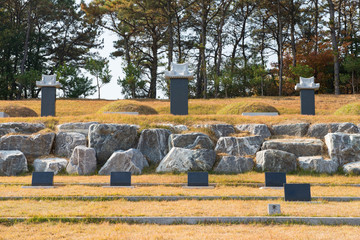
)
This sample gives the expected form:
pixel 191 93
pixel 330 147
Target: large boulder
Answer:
pixel 190 140
pixel 65 142
pixel 183 160
pixel 255 129
pixel 275 161
pixel 78 127
pixel 82 161
pixel 234 164
pixel 318 164
pixel 352 168
pixel 153 144
pixel 32 146
pixel 239 146
pixel 50 165
pixel 174 128
pixel 131 160
pixel 22 128
pixel 343 148
pixel 297 129
pixel 219 130
pixel 321 129
pixel 299 147
pixel 108 138
pixel 12 163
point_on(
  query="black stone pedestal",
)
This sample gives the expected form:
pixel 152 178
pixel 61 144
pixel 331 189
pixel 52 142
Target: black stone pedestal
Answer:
pixel 307 97
pixel 179 96
pixel 48 98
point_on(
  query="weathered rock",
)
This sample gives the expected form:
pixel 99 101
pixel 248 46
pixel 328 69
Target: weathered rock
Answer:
pixel 22 128
pixel 153 144
pixel 65 142
pixel 50 165
pixel 12 163
pixel 190 140
pixel 174 128
pixel 343 148
pixel 239 146
pixel 234 164
pixel 352 168
pixel 183 160
pixel 275 161
pixel 297 129
pixel 108 138
pixel 78 127
pixel 222 130
pixel 180 128
pixel 299 147
pixel 321 129
pixel 255 129
pixel 318 164
pixel 131 160
pixel 31 145
pixel 82 161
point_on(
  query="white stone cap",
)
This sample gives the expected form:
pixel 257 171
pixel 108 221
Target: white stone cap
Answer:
pixel 48 81
pixel 179 71
pixel 307 83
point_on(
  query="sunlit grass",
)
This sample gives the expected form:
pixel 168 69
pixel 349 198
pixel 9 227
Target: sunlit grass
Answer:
pixel 150 231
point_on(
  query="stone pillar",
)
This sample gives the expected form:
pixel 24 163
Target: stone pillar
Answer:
pixel 307 89
pixel 179 88
pixel 48 86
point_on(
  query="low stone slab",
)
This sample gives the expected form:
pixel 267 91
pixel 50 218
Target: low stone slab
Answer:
pixel 12 163
pixel 22 128
pixel 82 161
pixel 108 138
pixel 321 129
pixel 275 161
pixel 343 148
pixel 239 146
pixel 131 160
pixel 153 144
pixel 32 146
pixel 254 114
pixel 297 129
pixel 255 129
pixel 65 142
pixel 352 168
pixel 50 165
pixel 190 140
pixel 299 147
pixel 184 160
pixel 78 127
pixel 234 164
pixel 318 164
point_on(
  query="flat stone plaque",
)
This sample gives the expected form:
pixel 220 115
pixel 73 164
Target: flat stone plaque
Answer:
pixel 198 179
pixel 260 114
pixel 42 179
pixel 120 179
pixel 297 192
pixel 275 179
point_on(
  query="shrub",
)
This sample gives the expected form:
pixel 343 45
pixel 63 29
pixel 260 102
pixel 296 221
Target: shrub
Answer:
pixel 240 107
pixel 128 106
pixel 349 109
pixel 18 111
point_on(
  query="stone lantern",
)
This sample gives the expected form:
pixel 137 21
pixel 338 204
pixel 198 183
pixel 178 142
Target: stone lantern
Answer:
pixel 179 88
pixel 307 89
pixel 48 86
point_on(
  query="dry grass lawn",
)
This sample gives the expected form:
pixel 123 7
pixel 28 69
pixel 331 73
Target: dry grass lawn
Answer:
pixel 200 111
pixel 316 191
pixel 223 179
pixel 216 208
pixel 127 231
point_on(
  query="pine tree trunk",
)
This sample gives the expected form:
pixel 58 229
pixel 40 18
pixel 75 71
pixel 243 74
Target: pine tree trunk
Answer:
pixel 335 47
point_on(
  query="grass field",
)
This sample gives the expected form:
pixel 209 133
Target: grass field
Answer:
pixel 200 111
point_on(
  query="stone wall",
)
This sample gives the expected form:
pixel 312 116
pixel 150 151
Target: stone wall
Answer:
pixel 323 148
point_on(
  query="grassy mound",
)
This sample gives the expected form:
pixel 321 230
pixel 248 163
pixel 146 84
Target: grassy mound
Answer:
pixel 18 111
pixel 349 109
pixel 127 106
pixel 240 107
